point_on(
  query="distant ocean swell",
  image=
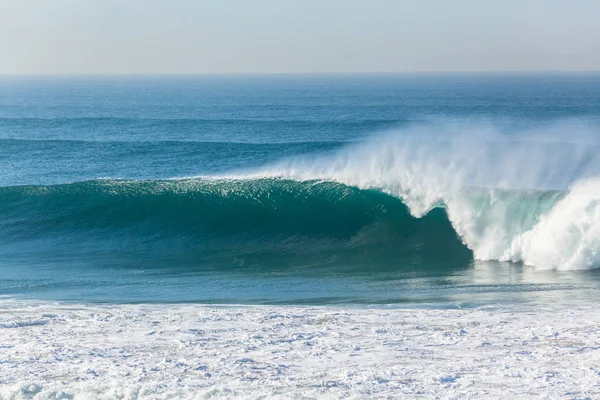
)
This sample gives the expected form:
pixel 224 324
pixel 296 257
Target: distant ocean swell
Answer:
pixel 546 229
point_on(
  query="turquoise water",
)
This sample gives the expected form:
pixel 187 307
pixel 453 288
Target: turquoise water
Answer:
pixel 421 190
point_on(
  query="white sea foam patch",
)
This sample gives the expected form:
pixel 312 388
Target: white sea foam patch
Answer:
pixel 460 164
pixel 172 352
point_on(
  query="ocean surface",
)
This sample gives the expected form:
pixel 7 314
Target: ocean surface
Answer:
pixel 422 190
pixel 300 236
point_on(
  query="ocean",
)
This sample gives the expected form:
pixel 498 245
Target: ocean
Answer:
pixel 300 236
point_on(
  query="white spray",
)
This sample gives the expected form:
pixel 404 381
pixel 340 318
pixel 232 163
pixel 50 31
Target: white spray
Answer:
pixel 493 180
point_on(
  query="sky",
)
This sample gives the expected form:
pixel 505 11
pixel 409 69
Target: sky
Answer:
pixel 297 36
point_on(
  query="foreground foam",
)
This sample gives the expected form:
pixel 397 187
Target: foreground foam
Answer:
pixel 50 351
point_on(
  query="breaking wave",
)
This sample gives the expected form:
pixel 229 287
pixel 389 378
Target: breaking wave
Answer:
pixel 469 193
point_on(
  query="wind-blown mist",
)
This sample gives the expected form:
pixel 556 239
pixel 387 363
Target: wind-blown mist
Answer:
pixel 512 193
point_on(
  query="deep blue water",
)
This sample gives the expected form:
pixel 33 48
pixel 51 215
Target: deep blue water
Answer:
pixel 89 209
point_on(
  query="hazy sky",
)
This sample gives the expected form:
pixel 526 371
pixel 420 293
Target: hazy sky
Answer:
pixel 200 36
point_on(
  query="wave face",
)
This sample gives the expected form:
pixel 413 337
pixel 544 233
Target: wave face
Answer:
pixel 226 222
pixel 251 220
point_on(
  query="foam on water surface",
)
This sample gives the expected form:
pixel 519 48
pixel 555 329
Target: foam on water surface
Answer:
pixel 53 351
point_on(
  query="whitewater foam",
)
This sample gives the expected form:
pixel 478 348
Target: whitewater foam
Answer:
pixel 567 237
pixel 193 351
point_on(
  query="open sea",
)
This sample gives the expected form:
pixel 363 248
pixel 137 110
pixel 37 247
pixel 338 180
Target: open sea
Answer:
pixel 300 236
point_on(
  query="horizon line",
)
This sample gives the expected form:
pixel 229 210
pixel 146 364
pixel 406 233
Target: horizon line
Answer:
pixel 190 74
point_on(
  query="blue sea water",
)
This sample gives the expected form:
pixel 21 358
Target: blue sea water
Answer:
pixel 445 190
